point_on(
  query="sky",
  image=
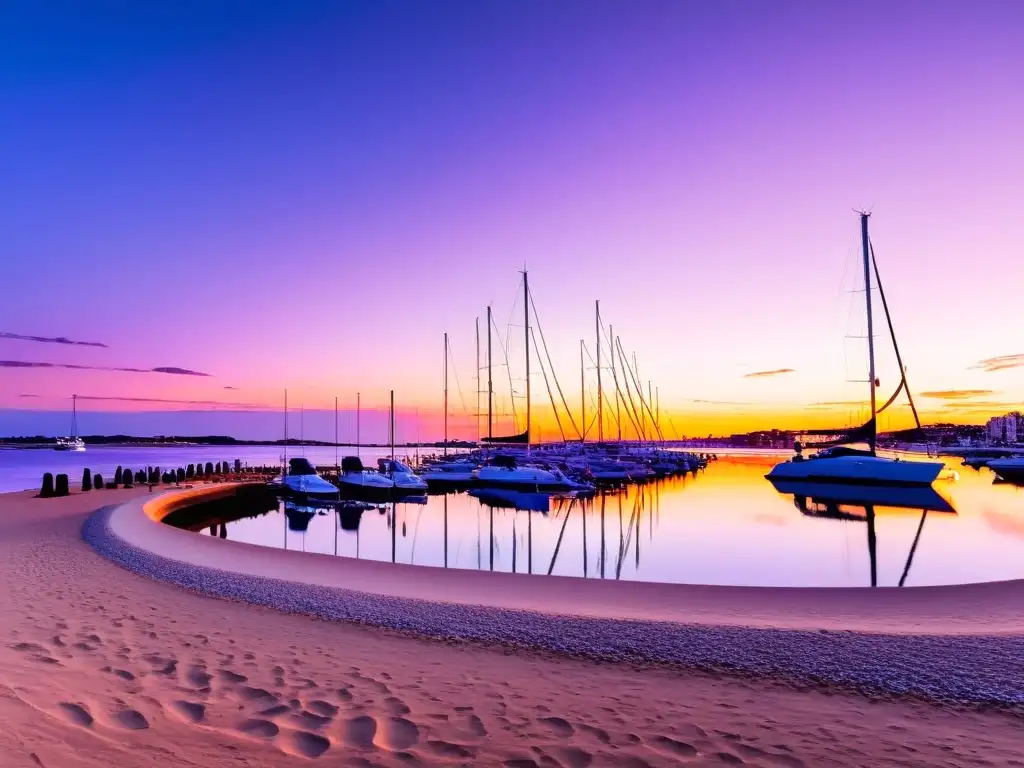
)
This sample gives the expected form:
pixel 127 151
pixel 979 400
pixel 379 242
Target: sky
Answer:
pixel 217 201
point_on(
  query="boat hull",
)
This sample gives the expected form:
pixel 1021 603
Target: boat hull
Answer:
pixel 1010 470
pixel 868 470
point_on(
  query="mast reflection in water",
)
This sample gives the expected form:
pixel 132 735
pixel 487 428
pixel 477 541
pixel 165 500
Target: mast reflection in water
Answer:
pixel 726 525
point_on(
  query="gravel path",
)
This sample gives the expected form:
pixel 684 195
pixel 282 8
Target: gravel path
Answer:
pixel 957 669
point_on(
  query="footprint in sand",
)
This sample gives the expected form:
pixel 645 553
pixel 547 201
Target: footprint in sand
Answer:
pixel 322 708
pixel 231 677
pixel 249 693
pixel 264 729
pixel 76 714
pixel 198 677
pixel 359 732
pixel 131 719
pixel 189 711
pixel 305 744
pixel 396 734
pixel 29 648
pixel 559 726
pixel 277 709
pixel 447 749
pixel 310 720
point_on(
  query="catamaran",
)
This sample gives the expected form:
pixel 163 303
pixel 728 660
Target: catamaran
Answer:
pixel 73 443
pixel 849 465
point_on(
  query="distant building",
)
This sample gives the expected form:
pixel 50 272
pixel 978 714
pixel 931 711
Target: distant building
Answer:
pixel 1005 429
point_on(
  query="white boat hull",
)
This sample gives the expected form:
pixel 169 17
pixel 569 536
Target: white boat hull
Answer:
pixel 310 486
pixel 520 478
pixel 872 470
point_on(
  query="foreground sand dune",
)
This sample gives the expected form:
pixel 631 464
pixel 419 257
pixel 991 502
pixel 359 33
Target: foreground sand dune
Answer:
pixel 103 667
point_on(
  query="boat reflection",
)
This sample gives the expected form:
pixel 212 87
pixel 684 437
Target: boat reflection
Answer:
pixel 861 503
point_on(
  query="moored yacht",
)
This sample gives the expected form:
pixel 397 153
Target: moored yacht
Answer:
pixel 401 474
pixel 848 465
pixel 505 472
pixel 302 481
pixel 358 482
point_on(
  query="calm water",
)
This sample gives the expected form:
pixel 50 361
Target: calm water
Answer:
pixel 726 525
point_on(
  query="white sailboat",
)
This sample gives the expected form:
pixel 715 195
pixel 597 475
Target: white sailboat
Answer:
pixel 848 465
pixel 73 443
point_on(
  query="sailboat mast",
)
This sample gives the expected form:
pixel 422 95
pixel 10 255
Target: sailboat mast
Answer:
pixel 618 416
pixel 74 416
pixel 285 432
pixel 526 317
pixel 600 405
pixel 583 398
pixel 478 379
pixel 359 441
pixel 336 434
pixel 865 246
pixel 446 394
pixel 391 429
pixel 490 380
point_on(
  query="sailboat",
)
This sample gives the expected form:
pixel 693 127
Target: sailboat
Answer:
pixel 73 443
pixel 842 464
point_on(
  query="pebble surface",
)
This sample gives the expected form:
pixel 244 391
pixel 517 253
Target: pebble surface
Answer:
pixel 957 669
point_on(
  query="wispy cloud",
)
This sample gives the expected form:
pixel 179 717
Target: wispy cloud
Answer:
pixel 719 402
pixel 164 401
pixel 958 394
pixel 982 405
pixel 50 340
pixel 171 370
pixel 765 374
pixel 28 395
pixel 1000 363
pixel 227 387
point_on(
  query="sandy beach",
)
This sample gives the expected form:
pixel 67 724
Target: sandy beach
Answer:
pixel 101 666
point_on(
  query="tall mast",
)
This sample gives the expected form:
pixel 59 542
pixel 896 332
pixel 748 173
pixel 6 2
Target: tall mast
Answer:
pixel 391 430
pixel 286 430
pixel 526 317
pixel 600 405
pixel 74 416
pixel 478 379
pixel 871 335
pixel 359 441
pixel 618 421
pixel 446 394
pixel 583 398
pixel 490 380
pixel 336 434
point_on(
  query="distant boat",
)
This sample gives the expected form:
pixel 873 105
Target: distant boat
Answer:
pixel 73 443
pixel 848 465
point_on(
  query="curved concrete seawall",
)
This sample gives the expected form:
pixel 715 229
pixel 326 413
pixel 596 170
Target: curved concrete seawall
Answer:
pixel 963 644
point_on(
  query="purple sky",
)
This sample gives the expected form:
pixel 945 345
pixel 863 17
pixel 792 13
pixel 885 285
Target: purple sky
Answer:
pixel 310 196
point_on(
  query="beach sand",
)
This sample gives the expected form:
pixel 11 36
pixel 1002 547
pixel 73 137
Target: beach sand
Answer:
pixel 101 667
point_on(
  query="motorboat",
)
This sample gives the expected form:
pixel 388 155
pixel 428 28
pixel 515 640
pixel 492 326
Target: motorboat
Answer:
pixel 841 464
pixel 402 476
pixel 458 472
pixel 1010 470
pixel 837 462
pixel 505 472
pixel 302 481
pixel 356 481
pixel 74 442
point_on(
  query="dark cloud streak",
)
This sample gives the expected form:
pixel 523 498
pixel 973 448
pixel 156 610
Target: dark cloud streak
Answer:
pixel 170 370
pixel 1000 363
pixel 51 340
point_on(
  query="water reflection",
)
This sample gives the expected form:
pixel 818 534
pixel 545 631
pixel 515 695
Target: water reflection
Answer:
pixel 727 525
pixel 861 503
